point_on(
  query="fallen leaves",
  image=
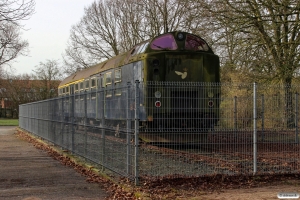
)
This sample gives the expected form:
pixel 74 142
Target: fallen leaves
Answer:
pixel 168 187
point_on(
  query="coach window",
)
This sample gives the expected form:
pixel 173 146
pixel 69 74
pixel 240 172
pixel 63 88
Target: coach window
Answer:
pixel 108 79
pixel 87 84
pixel 117 75
pixel 93 82
pixel 63 91
pixel 93 85
pixel 102 80
pixel 118 79
pixel 76 87
pixel 67 90
pixel 81 86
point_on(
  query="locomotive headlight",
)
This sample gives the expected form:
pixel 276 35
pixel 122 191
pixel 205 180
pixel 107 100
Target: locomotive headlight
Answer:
pixel 210 94
pixel 157 104
pixel 180 36
pixel 210 104
pixel 157 94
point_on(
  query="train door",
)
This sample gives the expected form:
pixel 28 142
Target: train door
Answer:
pixel 138 75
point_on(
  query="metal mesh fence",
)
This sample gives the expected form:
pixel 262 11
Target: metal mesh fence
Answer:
pixel 184 129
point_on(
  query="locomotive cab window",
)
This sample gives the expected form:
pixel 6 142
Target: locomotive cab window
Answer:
pixel 195 43
pixel 143 47
pixel 164 42
pixel 135 50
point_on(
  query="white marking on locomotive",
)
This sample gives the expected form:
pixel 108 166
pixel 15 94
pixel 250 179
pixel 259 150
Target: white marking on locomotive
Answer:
pixel 183 75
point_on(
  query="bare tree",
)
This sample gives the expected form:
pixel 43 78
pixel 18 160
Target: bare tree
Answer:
pixel 112 27
pixel 12 12
pixel 16 89
pixel 11 44
pixel 25 88
pixel 267 40
pixel 48 76
pixel 266 35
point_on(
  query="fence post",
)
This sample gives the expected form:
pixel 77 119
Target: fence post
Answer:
pixel 72 121
pixel 235 115
pixel 263 116
pixel 62 125
pixel 254 130
pixel 128 128
pixel 296 118
pixel 85 123
pixel 136 129
pixel 102 91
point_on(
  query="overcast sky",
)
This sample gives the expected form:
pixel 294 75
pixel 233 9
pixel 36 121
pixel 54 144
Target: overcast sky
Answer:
pixel 48 31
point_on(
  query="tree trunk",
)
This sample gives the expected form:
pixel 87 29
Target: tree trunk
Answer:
pixel 289 114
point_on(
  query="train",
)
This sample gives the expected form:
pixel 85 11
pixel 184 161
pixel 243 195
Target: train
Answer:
pixel 167 113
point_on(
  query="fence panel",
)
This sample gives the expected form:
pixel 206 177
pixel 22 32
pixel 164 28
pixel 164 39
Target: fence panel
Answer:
pixel 185 129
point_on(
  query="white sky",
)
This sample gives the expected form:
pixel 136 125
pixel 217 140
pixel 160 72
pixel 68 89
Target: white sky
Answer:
pixel 48 31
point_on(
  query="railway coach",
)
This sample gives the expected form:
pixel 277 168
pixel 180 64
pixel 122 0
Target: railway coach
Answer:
pixel 177 101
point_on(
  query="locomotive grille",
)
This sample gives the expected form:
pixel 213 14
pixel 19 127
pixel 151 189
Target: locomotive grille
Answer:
pixel 184 101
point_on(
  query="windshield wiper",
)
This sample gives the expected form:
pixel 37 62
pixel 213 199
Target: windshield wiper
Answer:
pixel 160 47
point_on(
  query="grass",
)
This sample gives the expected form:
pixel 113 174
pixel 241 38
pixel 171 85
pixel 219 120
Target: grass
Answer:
pixel 9 122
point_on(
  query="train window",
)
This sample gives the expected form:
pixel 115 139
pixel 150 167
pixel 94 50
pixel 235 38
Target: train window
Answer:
pixel 76 88
pixel 143 47
pixel 118 92
pixel 81 85
pixel 67 89
pixel 195 43
pixel 93 82
pixel 117 75
pixel 164 42
pixel 102 82
pixel 135 50
pixel 108 79
pixel 108 93
pixel 87 84
pixel 64 90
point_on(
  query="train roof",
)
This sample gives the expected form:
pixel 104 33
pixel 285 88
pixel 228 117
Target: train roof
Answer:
pixel 164 42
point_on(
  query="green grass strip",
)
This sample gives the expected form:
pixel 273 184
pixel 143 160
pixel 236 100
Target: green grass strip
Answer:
pixel 9 122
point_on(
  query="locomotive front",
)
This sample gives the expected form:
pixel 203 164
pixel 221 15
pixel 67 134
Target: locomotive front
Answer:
pixel 182 92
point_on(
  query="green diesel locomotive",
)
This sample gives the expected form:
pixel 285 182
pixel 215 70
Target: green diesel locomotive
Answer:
pixel 179 93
